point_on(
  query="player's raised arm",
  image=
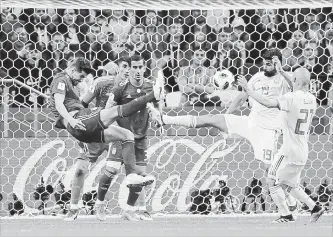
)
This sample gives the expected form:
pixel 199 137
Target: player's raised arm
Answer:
pixel 279 69
pixel 60 107
pixel 270 103
pixel 237 102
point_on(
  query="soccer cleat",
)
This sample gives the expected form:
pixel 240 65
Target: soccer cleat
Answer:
pixel 144 215
pixel 72 215
pixel 135 180
pixel 316 212
pixel 284 219
pixel 294 211
pixel 155 115
pixel 130 215
pixel 100 212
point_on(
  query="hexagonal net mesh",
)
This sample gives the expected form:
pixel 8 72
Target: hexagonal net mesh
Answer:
pixel 197 171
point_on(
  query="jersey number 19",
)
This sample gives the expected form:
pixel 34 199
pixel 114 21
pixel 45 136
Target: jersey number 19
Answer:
pixel 307 112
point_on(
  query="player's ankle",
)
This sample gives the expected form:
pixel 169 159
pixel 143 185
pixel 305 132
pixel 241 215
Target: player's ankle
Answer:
pixel 142 208
pixel 74 206
pixel 99 202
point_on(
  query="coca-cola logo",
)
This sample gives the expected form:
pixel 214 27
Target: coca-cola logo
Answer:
pixel 177 187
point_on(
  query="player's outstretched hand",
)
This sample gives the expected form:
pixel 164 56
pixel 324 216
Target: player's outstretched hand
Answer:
pixel 243 83
pixel 277 63
pixel 77 124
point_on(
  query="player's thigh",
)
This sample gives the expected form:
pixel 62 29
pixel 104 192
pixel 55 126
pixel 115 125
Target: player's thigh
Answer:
pixel 237 125
pixel 109 116
pixel 91 151
pixel 264 143
pixel 114 157
pixel 115 133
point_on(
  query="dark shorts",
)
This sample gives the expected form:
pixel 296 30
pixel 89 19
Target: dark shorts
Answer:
pixel 115 154
pixel 94 126
pixel 91 151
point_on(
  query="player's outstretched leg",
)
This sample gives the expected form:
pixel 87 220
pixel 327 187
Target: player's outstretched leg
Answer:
pixel 77 186
pixel 316 211
pixel 217 120
pixel 108 116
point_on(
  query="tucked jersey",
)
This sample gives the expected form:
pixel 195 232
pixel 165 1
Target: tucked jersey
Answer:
pixel 299 108
pixel 272 88
pixel 101 89
pixel 137 123
pixel 62 84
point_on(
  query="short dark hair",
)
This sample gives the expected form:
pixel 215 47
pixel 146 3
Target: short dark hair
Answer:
pixel 268 55
pixel 82 65
pixel 124 59
pixel 136 58
pixel 137 27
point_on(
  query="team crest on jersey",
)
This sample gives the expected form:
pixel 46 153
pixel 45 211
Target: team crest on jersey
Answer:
pixel 138 90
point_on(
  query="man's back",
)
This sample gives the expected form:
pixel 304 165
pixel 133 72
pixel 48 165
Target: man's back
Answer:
pixel 62 84
pixel 299 108
pixel 270 87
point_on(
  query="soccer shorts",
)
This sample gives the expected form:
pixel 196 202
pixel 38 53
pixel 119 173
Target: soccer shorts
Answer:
pixel 263 141
pixel 94 127
pixel 91 151
pixel 115 154
pixel 285 172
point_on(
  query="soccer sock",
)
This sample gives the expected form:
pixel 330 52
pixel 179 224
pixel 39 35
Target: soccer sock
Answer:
pixel 141 202
pixel 128 153
pixel 135 105
pixel 134 193
pixel 187 120
pixel 104 184
pixel 279 199
pixel 301 196
pixel 291 201
pixel 78 182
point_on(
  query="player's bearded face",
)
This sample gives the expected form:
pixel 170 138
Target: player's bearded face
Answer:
pixel 77 77
pixel 269 68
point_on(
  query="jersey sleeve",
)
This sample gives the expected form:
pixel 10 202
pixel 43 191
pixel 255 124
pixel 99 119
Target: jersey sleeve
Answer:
pixel 59 87
pixel 251 82
pixel 285 101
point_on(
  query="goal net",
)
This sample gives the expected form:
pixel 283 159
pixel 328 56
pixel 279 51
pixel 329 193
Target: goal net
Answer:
pixel 197 171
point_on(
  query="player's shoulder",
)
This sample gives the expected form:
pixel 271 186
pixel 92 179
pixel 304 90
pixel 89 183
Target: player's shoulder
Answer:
pixel 60 77
pixel 101 81
pixel 258 76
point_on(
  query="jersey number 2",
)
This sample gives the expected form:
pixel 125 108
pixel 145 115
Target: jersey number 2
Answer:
pixel 305 120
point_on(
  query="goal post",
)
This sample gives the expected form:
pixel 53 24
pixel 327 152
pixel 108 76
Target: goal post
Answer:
pixel 191 166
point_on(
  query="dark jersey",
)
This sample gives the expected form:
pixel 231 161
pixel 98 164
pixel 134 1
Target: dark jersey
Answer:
pixel 62 84
pixel 101 89
pixel 137 123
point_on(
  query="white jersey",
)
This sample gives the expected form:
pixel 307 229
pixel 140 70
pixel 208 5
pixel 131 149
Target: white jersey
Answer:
pixel 299 107
pixel 272 88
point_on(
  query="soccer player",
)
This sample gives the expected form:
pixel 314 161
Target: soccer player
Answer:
pixel 299 107
pixel 95 125
pixel 138 123
pixel 262 126
pixel 89 152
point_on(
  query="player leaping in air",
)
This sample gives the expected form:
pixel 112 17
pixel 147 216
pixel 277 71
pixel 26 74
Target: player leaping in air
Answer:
pixel 90 152
pixel 262 126
pixel 95 125
pixel 285 171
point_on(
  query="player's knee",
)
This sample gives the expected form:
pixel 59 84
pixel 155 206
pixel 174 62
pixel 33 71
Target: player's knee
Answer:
pixel 128 136
pixel 141 170
pixel 81 167
pixel 112 168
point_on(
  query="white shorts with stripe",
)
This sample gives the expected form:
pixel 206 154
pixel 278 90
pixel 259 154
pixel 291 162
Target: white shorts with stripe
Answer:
pixel 263 141
pixel 285 172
